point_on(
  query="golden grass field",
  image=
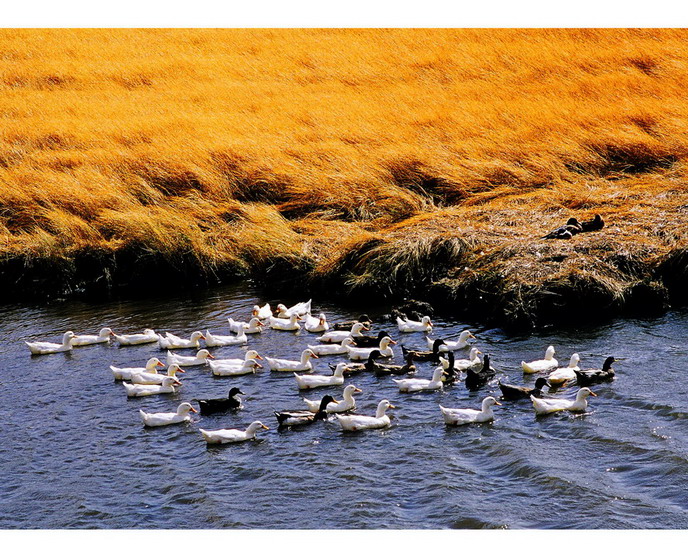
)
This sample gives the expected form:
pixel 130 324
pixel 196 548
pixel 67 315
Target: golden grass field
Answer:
pixel 375 162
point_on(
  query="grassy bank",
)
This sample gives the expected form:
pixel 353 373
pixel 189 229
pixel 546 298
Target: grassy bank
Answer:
pixel 365 163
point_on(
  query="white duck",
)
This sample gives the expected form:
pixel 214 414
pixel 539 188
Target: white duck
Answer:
pixel 127 372
pixel 169 385
pixel 286 365
pixel 549 362
pixel 316 324
pixel 148 336
pixel 201 358
pixel 170 341
pixel 213 341
pixel 337 336
pixel 234 367
pixel 565 374
pixel 363 353
pixel 308 381
pixel 347 402
pixel 262 313
pixel 548 406
pixel 155 378
pixel 254 326
pixel 457 417
pixel 472 361
pixel 301 309
pixel 356 422
pixel 41 348
pixel 453 345
pixel 420 384
pixel 233 436
pixel 425 325
pixel 285 324
pixel 333 349
pixel 87 339
pixel 165 419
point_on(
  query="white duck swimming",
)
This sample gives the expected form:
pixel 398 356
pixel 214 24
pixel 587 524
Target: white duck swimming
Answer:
pixel 285 324
pixel 452 345
pixel 316 324
pixel 165 419
pixel 170 341
pixel 126 373
pixel 425 325
pixel 354 422
pixel 234 367
pixel 549 362
pixel 472 361
pixel 301 309
pixel 254 326
pixel 308 381
pixel 213 341
pixel 148 336
pixel 286 365
pixel 155 378
pixel 87 339
pixel 232 436
pixel 565 374
pixel 333 349
pixel 548 406
pixel 201 358
pixel 42 348
pixel 169 385
pixel 347 403
pixel 420 384
pixel 337 336
pixel 363 353
pixel 262 313
pixel 457 417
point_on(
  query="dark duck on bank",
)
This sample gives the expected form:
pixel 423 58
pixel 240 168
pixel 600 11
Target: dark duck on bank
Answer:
pixel 521 392
pixel 567 231
pixel 477 379
pixel 288 419
pixel 595 376
pixel 232 401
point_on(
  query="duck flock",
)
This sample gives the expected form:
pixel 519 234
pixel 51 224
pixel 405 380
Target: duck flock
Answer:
pixel 364 353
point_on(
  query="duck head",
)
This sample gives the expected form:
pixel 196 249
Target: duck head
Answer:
pixel 235 391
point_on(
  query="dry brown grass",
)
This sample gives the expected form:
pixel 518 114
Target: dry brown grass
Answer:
pixel 388 160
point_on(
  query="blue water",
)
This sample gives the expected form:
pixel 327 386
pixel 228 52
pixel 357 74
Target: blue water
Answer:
pixel 75 454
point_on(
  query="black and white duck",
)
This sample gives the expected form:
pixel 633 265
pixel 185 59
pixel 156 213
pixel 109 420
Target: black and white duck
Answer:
pixel 572 227
pixel 288 419
pixel 595 376
pixel 521 392
pixel 232 401
pixel 418 355
pixel 348 325
pixel 475 380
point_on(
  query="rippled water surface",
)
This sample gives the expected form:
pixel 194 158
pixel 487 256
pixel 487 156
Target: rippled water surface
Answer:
pixel 74 452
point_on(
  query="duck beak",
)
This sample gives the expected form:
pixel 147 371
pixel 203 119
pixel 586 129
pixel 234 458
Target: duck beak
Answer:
pixel 211 356
pixel 261 324
pixel 335 401
pixel 181 370
pixel 393 342
pixel 392 406
pixel 160 364
pixel 193 410
pixel 315 356
pixel 593 393
pixel 259 366
pixel 265 427
pixel 176 383
pixel 497 403
pixel 203 337
pixel 358 390
pixel 259 357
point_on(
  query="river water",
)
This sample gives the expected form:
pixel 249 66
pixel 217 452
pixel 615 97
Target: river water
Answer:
pixel 75 454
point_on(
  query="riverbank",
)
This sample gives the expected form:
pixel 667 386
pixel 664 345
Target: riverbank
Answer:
pixel 353 164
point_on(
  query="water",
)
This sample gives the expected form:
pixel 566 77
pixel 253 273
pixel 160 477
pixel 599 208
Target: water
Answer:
pixel 75 454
